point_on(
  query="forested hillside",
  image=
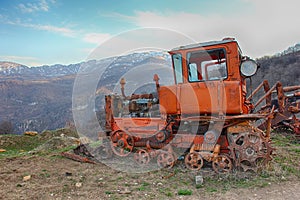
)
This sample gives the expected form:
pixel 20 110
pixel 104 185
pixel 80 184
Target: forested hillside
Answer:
pixel 285 68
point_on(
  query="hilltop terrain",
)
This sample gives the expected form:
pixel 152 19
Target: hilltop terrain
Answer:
pixel 32 168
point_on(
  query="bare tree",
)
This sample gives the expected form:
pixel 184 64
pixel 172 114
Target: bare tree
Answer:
pixel 6 127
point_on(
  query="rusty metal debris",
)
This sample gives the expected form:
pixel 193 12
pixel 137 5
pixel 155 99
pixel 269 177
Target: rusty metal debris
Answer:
pixel 283 109
pixel 78 158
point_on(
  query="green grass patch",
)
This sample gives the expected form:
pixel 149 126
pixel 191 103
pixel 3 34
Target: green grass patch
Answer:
pixel 166 191
pixel 18 145
pixel 169 194
pixel 280 140
pixel 286 162
pixel 211 189
pixel 184 192
pixel 65 149
pixel 20 142
pixel 95 144
pixel 143 186
pixel 295 150
pixel 9 153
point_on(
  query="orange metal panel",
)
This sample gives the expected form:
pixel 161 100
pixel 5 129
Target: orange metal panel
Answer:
pixel 140 124
pixel 233 96
pixel 196 98
pixel 211 97
pixel 203 98
pixel 168 99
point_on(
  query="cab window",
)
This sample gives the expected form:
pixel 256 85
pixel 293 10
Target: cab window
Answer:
pixel 207 65
pixel 177 63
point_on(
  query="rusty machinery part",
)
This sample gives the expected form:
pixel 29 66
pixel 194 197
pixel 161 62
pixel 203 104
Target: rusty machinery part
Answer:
pixel 142 157
pixel 222 164
pixel 296 127
pixel 210 137
pixel 78 158
pixel 289 125
pixel 286 106
pixel 165 159
pixel 162 135
pixel 121 143
pixel 82 150
pixel 154 145
pixel 193 161
pixel 293 124
pixel 158 141
pixel 249 151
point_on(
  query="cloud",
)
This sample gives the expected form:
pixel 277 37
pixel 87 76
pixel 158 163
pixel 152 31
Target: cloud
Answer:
pixel 55 29
pixel 41 5
pixel 96 38
pixel 270 27
pixel 50 28
pixel 92 37
pixel 139 40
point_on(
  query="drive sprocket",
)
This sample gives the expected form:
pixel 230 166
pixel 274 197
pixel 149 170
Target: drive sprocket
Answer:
pixel 122 143
pixel 249 150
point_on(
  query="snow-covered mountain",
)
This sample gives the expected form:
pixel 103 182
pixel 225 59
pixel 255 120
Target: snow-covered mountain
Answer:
pixel 7 68
pixel 291 49
pixel 15 69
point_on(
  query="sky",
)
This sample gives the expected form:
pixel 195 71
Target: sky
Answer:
pixel 46 32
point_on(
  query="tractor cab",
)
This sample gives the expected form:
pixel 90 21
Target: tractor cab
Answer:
pixel 209 79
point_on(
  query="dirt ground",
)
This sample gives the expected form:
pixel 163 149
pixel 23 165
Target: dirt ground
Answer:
pixel 56 177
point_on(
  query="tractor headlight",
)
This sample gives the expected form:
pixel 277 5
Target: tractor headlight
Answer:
pixel 248 68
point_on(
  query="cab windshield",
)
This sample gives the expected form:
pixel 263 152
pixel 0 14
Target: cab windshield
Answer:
pixel 206 65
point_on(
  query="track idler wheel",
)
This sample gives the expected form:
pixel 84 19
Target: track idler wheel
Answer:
pixel 165 159
pixel 121 143
pixel 193 161
pixel 142 157
pixel 222 164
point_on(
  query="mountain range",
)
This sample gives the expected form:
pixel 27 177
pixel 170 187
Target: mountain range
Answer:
pixel 40 98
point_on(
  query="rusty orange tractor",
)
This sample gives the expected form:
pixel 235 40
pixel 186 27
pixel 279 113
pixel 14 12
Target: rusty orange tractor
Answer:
pixel 206 113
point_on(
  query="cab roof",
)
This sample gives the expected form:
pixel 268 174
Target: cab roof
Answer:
pixel 205 44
